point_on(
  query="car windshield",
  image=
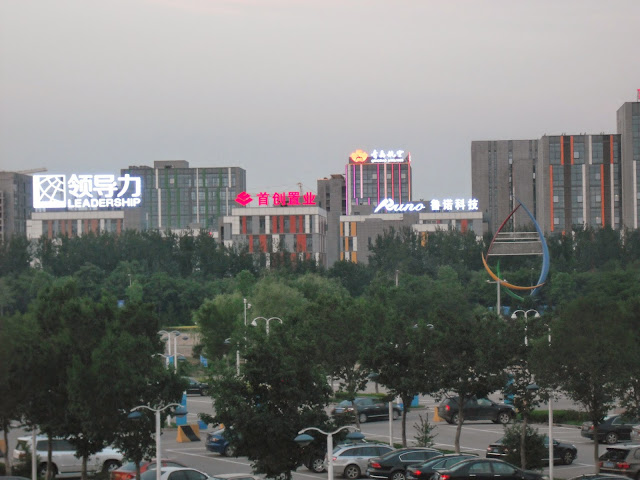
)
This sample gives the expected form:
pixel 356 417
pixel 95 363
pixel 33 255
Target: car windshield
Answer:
pixel 614 454
pixel 345 403
pixel 128 467
pixel 148 475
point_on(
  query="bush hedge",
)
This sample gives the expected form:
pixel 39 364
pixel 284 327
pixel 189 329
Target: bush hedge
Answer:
pixel 574 417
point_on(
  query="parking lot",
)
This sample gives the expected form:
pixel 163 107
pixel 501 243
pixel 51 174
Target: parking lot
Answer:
pixel 475 438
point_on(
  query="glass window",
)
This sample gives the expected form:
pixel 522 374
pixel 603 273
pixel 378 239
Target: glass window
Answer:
pixel 480 467
pixel 503 468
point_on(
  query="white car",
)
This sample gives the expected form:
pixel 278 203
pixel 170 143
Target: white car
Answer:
pixel 63 457
pixel 176 473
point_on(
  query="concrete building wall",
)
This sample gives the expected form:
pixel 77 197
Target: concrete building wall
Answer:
pixel 16 203
pixel 628 127
pixel 331 197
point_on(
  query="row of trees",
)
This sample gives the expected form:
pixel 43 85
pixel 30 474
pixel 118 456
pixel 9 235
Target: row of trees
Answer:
pixel 431 332
pixel 74 367
pixel 421 336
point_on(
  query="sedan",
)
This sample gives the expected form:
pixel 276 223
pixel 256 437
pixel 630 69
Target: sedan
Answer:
pixel 217 442
pixel 368 409
pixel 196 387
pixel 564 453
pixel 128 470
pixel 612 429
pixel 176 473
pixel 485 469
pixel 393 465
pixel 426 470
pixel 476 409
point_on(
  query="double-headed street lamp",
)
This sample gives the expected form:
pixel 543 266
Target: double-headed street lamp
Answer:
pixel 267 320
pixel 526 313
pixel 175 334
pixel 180 411
pixel 303 439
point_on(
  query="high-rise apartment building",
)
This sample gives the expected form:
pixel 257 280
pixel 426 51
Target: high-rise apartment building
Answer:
pixel 628 119
pixel 502 172
pixel 16 203
pixel 176 197
pixel 372 177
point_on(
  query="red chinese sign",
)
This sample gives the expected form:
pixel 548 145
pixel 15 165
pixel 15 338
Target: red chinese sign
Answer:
pixel 278 199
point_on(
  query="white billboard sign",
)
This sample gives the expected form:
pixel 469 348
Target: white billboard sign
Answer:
pixel 86 191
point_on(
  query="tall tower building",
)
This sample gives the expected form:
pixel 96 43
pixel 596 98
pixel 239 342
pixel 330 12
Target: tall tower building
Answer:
pixel 372 177
pixel 628 119
pixel 502 172
pixel 176 197
pixel 16 203
pixel 331 197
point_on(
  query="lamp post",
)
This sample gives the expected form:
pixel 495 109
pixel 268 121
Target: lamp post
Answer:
pixel 550 402
pixel 227 341
pixel 514 315
pixel 176 334
pixel 246 307
pixel 135 414
pixel 162 333
pixel 254 322
pixel 304 439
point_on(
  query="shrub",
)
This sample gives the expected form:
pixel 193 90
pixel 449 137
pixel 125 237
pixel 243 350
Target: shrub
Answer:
pixel 574 417
pixel 535 450
pixel 424 432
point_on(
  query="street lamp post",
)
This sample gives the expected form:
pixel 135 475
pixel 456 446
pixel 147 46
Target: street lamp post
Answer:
pixel 267 320
pixel 550 402
pixel 514 315
pixel 135 414
pixel 304 439
pixel 246 307
pixel 162 333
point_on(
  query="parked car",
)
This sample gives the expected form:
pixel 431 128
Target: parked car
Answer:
pixel 128 470
pixel 393 465
pixel 486 468
pixel 235 476
pixel 426 470
pixel 176 473
pixel 564 453
pixel 196 387
pixel 63 457
pixel 351 460
pixel 217 442
pixel 599 476
pixel 621 460
pixel 368 409
pixel 612 429
pixel 635 434
pixel 476 409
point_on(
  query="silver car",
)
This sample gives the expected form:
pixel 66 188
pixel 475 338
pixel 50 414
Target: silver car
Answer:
pixel 351 460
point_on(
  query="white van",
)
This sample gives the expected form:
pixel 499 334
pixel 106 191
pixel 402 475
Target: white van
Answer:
pixel 63 457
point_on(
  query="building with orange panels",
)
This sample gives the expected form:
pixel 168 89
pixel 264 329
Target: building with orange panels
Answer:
pixel 272 232
pixel 72 224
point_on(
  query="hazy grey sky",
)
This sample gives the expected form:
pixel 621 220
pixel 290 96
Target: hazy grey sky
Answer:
pixel 288 89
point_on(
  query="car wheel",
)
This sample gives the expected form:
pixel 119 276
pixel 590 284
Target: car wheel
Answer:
pixel 362 417
pixel 316 465
pixel 229 451
pixel 351 472
pixel 567 458
pixel 42 470
pixel 110 465
pixel 454 418
pixel 399 475
pixel 611 438
pixel 504 417
pixel 395 415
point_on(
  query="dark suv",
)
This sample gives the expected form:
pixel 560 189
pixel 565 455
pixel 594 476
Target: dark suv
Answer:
pixel 393 465
pixel 564 453
pixel 623 460
pixel 476 409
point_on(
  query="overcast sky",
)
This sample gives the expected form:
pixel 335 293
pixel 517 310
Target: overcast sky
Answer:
pixel 287 89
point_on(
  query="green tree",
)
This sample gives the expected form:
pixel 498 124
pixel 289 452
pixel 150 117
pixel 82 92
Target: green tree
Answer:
pixel 573 361
pixel 278 393
pixel 534 447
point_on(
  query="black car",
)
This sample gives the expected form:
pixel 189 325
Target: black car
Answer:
pixel 486 469
pixel 476 409
pixel 612 429
pixel 426 470
pixel 599 476
pixel 196 387
pixel 564 453
pixel 368 409
pixel 393 465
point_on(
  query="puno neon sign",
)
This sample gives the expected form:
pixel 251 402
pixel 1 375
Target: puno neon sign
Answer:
pixel 446 205
pixel 86 191
pixel 390 206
